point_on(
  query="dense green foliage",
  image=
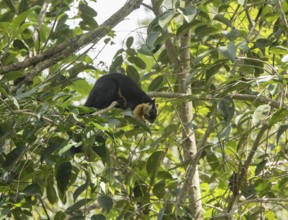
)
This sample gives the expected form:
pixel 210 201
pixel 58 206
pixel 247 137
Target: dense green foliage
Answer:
pixel 127 169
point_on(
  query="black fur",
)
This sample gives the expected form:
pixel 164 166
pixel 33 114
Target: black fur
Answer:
pixel 119 87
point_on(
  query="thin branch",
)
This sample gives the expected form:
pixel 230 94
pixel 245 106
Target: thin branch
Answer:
pixel 28 112
pixel 194 161
pixel 45 210
pixel 246 165
pixel 65 49
pixel 282 16
pixel 256 200
pixel 263 200
pixel 244 97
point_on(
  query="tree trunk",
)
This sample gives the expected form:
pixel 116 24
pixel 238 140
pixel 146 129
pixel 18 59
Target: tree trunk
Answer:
pixel 186 115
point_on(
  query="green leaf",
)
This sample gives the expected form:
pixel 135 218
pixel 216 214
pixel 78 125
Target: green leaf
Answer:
pixel 81 86
pixel 170 129
pixel 19 20
pixel 159 189
pixel 106 203
pixel 226 107
pixel 279 116
pixel 151 39
pixel 184 27
pixel 54 143
pixel 79 190
pixel 260 114
pixel 203 31
pixel 278 50
pixel 137 61
pixel 260 166
pixel 213 160
pixel 66 145
pixel 76 206
pixel 129 42
pixel 224 20
pixel 13 157
pixel 60 216
pixel 153 164
pixel 51 193
pixel 135 121
pixel 63 176
pixel 133 73
pixel 87 11
pixel 202 56
pixel 32 190
pixel 27 36
pixel 164 175
pixel 262 186
pixel 233 34
pixel 225 132
pixel 280 131
pixel 229 51
pixel 156 83
pixel 98 217
pixel 189 13
pixel 165 17
pixel 13 75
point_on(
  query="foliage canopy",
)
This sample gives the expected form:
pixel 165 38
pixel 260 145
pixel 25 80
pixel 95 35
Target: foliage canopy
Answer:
pixel 128 169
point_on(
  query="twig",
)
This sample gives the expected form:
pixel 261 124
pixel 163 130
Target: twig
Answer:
pixel 28 112
pixel 43 205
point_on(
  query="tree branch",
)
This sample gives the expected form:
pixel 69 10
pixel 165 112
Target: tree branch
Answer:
pixel 246 165
pixel 194 161
pixel 245 97
pixel 63 50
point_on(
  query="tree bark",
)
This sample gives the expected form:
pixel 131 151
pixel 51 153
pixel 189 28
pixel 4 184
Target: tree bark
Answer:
pixel 188 134
pixel 186 115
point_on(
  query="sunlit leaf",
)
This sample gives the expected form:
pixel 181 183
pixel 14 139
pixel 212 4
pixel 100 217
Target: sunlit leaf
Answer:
pixel 189 13
pixel 137 61
pixel 228 51
pixel 60 216
pixel 165 17
pixel 222 19
pixel 260 114
pixel 278 50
